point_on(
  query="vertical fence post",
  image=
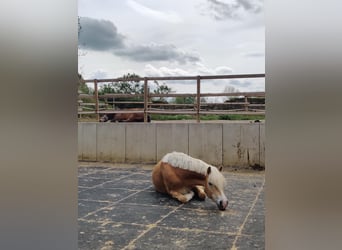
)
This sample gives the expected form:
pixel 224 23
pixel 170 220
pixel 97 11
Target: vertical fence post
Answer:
pixel 145 98
pixel 96 100
pixel 198 95
pixel 246 103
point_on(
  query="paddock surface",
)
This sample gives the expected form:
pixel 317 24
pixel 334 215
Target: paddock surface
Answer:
pixel 119 209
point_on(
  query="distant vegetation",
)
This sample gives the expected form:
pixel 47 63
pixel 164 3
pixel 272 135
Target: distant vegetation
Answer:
pixel 207 117
pixel 131 86
pixel 158 117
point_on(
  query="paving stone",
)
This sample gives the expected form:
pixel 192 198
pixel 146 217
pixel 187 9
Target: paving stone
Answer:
pixel 89 182
pixel 119 209
pixel 151 197
pixel 109 174
pixel 104 194
pixel 164 238
pixel 95 235
pixel 206 204
pixel 125 213
pixel 84 171
pixel 251 242
pixel 135 181
pixel 81 189
pixel 255 224
pixel 86 207
pixel 91 168
pixel 210 220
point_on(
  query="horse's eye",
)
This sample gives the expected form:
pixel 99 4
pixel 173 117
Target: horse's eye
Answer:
pixel 210 184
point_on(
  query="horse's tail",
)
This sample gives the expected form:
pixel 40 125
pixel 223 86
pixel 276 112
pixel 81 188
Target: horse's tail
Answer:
pixel 157 167
pixel 157 177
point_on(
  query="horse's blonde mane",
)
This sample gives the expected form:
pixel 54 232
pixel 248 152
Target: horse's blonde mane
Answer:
pixel 184 161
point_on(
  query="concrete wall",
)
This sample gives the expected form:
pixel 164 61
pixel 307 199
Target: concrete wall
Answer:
pixel 227 144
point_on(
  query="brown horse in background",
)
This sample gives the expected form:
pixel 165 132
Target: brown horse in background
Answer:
pixel 125 117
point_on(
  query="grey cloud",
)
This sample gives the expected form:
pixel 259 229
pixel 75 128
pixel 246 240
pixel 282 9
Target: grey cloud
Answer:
pixel 220 10
pixel 100 35
pixel 240 83
pixel 237 84
pixel 249 5
pixel 157 52
pixel 254 54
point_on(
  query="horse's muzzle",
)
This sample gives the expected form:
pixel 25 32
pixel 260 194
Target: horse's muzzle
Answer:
pixel 222 204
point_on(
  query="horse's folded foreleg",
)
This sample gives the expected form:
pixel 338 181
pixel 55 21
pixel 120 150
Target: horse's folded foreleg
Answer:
pixel 182 197
pixel 199 190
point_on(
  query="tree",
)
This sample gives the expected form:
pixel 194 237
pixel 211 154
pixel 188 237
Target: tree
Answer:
pixel 79 25
pixel 204 100
pixel 83 89
pixel 131 86
pixel 79 32
pixel 82 86
pixel 229 89
pixel 161 89
pixel 185 100
pixel 128 86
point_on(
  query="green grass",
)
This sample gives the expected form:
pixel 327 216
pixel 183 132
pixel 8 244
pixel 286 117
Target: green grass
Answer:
pixel 207 117
pixel 158 117
pixel 238 117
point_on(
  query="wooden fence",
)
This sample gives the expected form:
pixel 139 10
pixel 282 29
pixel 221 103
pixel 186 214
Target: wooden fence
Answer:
pixel 197 109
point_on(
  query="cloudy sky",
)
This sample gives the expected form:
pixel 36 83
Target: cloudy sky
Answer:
pixel 173 38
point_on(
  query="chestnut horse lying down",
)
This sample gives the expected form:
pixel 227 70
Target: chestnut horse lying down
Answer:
pixel 126 117
pixel 182 176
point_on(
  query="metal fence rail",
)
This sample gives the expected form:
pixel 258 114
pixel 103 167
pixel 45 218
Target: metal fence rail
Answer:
pixel 197 109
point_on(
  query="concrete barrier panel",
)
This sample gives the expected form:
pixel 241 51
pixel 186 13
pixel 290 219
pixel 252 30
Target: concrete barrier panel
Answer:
pixel 79 141
pixel 111 142
pixel 172 137
pixel 262 148
pixel 231 145
pixel 141 142
pixel 228 144
pixel 88 141
pixel 240 145
pixel 250 141
pixel 205 142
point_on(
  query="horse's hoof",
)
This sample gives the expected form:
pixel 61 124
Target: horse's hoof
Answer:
pixel 201 197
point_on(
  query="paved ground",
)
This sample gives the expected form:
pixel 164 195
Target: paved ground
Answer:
pixel 119 209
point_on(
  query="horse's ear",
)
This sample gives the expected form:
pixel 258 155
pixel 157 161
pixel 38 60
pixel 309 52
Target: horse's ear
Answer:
pixel 220 169
pixel 208 170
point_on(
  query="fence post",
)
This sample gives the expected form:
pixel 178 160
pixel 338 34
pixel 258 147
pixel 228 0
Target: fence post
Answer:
pixel 246 103
pixel 198 96
pixel 96 100
pixel 145 98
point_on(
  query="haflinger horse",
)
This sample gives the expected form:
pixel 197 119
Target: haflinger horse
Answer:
pixel 182 176
pixel 124 117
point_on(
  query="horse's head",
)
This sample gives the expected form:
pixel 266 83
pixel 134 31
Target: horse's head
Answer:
pixel 104 118
pixel 214 184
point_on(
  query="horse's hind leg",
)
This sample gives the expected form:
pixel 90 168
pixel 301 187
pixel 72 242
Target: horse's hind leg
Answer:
pixel 173 184
pixel 199 191
pixel 182 197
